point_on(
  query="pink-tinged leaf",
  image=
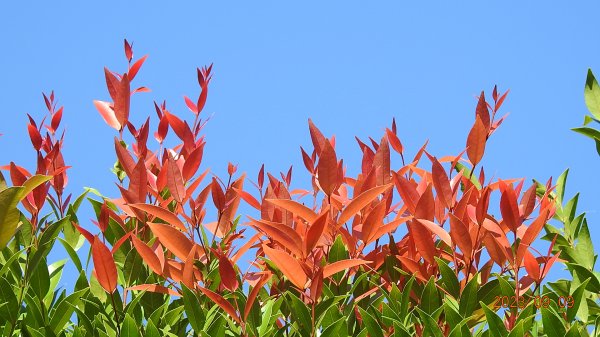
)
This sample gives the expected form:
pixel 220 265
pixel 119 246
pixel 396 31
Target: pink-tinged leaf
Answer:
pixel 336 267
pixel 191 105
pixel 155 289
pixel 460 235
pixel 423 241
pixel 327 169
pixel 221 302
pixel 476 141
pixel 136 67
pixel 161 213
pixel 227 273
pixel 172 239
pixel 361 201
pixel 316 136
pixel 248 198
pixel 107 114
pixel 436 229
pixel 254 293
pixel 190 167
pixel 147 255
pixel 315 231
pixel 104 265
pixel 510 209
pixel 175 180
pixel 295 208
pixel 289 266
pixel 441 182
pixel 482 111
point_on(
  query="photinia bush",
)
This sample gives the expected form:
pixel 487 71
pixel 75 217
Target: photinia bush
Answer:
pixel 430 248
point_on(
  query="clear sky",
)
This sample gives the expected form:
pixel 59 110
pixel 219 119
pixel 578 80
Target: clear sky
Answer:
pixel 350 67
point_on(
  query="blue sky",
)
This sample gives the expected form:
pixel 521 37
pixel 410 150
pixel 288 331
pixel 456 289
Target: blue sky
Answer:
pixel 350 67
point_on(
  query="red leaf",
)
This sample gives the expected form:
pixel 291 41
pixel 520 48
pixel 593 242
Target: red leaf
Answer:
pixel 261 176
pixel 138 182
pixel 128 50
pixel 87 235
pixel 289 266
pixel 283 235
pixel 122 100
pixel 147 255
pixel 163 129
pixel 187 275
pixel 104 265
pixel 532 266
pixel 372 222
pixel 248 198
pixel 175 180
pixel 136 67
pixel 190 167
pixel 124 158
pixel 107 114
pixel 174 240
pixel 56 119
pixel 327 169
pixel 176 124
pixel 510 209
pixel 34 135
pixel 482 111
pixel 228 274
pixel 254 292
pixel 476 141
pixel 155 289
pixel 394 141
pixel 336 267
pixel 425 208
pixel 436 229
pixel 202 98
pixel 221 302
pixel 161 213
pixel 112 83
pixel 218 195
pixel 317 137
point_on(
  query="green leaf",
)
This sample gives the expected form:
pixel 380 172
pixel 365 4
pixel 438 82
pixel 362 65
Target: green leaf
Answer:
pixel 405 301
pixel 370 323
pixel 467 173
pixel 560 186
pixel 430 325
pixel 553 326
pixel 585 248
pixel 151 330
pixel 33 182
pixel 64 310
pixel 588 132
pixel 129 328
pixel 9 311
pixel 336 329
pixel 578 297
pixel 6 267
pixel 496 326
pixel 39 281
pixel 518 330
pixel 338 252
pixel 430 298
pixel 192 309
pixel 584 274
pixel 468 298
pixel 46 243
pixel 301 314
pixel 9 214
pixel 72 254
pixel 592 94
pixel 449 278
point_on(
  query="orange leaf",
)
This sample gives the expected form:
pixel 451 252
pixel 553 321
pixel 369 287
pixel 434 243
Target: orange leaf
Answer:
pixel 192 162
pixel 482 111
pixel 155 288
pixel 476 141
pixel 221 302
pixel 282 234
pixel 382 162
pixel 436 229
pixel 423 241
pixel 394 141
pixel 532 266
pixel 360 202
pixel 228 274
pixel 372 222
pixel 147 255
pixel 248 198
pixel 339 266
pixel 295 208
pixel 138 181
pixel 441 182
pixel 510 209
pixel 124 157
pixel 104 265
pixel 289 266
pixel 175 180
pixel 162 213
pixel 187 275
pixel 316 136
pixel 425 208
pixel 173 239
pixel 122 100
pixel 460 236
pixel 315 231
pixel 254 292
